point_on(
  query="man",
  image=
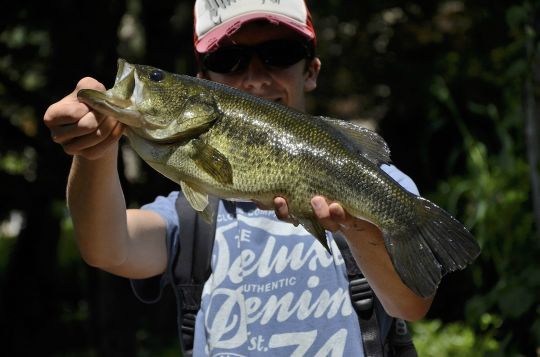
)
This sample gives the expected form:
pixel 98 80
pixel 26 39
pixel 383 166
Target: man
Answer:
pixel 274 289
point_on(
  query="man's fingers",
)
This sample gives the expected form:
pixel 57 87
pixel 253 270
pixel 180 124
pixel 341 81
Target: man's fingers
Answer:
pixel 331 215
pixel 322 212
pixel 69 110
pixel 63 113
pixel 87 124
pixel 337 212
pixel 282 211
pixel 96 151
pixel 78 129
pixel 88 83
pixel 281 208
pixel 109 131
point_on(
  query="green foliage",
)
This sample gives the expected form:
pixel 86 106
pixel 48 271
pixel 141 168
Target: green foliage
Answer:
pixel 493 194
pixel 435 339
pixel 6 245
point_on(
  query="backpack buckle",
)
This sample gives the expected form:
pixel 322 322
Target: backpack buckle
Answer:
pixel 361 296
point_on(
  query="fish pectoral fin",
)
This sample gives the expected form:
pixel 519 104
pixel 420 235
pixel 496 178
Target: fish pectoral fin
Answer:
pixel 314 227
pixel 370 144
pixel 197 200
pixel 211 161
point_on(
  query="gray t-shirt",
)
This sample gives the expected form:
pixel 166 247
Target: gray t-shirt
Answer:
pixel 274 290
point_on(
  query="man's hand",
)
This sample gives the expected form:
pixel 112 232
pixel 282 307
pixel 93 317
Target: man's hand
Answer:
pixel 79 130
pixel 331 216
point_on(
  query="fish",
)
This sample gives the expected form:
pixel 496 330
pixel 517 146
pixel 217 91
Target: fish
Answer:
pixel 214 140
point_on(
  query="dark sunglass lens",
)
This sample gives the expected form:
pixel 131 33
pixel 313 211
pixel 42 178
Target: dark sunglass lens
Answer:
pixel 225 60
pixel 282 53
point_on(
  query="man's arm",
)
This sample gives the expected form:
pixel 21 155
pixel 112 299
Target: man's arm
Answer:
pixel 127 243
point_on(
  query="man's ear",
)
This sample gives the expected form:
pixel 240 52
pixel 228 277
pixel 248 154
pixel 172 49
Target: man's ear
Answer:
pixel 311 74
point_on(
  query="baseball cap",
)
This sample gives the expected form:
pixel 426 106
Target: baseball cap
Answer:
pixel 216 20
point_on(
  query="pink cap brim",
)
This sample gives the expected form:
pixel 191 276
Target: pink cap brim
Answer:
pixel 209 41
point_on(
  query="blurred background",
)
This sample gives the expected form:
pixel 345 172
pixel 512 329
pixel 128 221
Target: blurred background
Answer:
pixel 453 86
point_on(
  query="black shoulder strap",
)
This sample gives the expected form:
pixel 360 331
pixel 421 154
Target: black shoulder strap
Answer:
pixel 191 267
pixel 195 253
pixel 399 342
pixel 382 335
pixel 362 299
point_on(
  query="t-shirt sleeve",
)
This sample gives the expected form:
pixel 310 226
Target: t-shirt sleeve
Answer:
pixel 405 181
pixel 149 290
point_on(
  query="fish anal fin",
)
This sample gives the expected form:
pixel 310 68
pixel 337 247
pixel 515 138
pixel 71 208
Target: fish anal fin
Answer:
pixel 211 161
pixel 314 227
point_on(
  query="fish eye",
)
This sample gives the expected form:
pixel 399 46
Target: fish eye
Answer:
pixel 156 75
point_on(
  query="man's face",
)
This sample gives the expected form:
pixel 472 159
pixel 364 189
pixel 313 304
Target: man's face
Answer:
pixel 283 85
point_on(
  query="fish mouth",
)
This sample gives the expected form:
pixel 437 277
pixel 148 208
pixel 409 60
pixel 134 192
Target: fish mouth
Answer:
pixel 118 101
pixel 124 70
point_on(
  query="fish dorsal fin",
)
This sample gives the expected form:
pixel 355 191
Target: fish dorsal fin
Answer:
pixel 213 162
pixel 370 144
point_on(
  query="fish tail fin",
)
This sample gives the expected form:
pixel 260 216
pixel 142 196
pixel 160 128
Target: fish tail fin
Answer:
pixel 429 248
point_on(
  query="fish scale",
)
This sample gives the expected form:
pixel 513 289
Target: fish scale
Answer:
pixel 216 140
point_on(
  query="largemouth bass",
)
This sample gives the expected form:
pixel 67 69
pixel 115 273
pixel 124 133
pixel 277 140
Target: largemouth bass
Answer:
pixel 217 140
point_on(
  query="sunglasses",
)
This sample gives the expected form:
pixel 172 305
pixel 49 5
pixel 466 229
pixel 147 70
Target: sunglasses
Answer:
pixel 276 53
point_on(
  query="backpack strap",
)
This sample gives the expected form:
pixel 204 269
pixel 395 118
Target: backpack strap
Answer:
pixel 399 341
pixel 382 335
pixel 191 267
pixel 363 301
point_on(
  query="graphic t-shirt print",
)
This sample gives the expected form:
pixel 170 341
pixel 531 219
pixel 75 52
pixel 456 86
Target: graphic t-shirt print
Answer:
pixel 274 291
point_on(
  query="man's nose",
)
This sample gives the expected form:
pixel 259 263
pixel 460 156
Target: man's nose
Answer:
pixel 256 75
